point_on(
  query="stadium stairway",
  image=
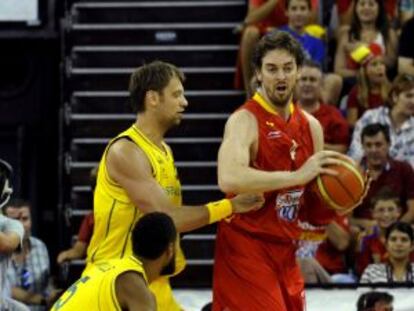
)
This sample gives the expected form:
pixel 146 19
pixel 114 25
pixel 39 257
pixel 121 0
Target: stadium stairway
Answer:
pixel 102 43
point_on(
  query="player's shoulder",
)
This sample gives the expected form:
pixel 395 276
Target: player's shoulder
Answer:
pixel 123 147
pixel 242 117
pixel 313 122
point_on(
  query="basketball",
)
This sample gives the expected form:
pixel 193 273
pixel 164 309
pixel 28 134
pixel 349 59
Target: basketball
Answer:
pixel 343 191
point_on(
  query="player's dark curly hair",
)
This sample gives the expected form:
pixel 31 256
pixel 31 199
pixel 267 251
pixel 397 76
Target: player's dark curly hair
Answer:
pixel 152 235
pixel 278 40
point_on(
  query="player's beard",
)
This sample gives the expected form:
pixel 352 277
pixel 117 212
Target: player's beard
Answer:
pixel 169 268
pixel 279 101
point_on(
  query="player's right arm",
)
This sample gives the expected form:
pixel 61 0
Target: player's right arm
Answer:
pixel 238 151
pixel 133 294
pixel 128 166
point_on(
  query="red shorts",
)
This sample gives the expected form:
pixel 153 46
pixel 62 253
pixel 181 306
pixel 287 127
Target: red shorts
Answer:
pixel 255 275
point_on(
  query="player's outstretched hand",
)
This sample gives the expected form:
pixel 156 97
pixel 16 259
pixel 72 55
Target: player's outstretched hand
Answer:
pixel 247 202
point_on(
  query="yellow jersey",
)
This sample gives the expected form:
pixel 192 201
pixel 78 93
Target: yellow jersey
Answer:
pixel 115 215
pixel 96 289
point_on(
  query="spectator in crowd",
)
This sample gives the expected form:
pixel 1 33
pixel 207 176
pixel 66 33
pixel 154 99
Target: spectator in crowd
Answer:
pixel 299 14
pixel 372 86
pixel 398 268
pixel 78 250
pixel 262 17
pixel 29 271
pixel 385 171
pixel 369 25
pixel 398 11
pixel 321 252
pixel 397 114
pixel 309 98
pixel 385 211
pixel 375 301
pixel 406 49
pixel 406 11
pixel 11 235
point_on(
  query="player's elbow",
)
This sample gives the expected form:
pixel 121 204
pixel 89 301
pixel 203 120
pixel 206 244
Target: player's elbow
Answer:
pixel 228 183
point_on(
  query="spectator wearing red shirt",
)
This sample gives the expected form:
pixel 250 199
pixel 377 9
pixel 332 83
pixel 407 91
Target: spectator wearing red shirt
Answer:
pixel 331 253
pixel 78 250
pixel 322 250
pixel 308 93
pixel 371 90
pixel 398 176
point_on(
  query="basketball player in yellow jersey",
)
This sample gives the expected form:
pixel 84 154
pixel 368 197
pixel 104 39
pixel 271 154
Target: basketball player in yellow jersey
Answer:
pixel 122 284
pixel 137 175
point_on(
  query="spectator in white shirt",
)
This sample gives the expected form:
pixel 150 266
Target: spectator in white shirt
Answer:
pixel 398 268
pixel 398 115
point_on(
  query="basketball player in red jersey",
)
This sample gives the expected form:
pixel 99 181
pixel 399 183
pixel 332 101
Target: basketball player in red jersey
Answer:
pixel 270 146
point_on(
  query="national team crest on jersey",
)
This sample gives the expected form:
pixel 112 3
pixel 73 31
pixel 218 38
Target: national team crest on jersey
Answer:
pixel 287 204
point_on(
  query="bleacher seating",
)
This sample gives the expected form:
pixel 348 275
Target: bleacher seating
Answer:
pixel 103 42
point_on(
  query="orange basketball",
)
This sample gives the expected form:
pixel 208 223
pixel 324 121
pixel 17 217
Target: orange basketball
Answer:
pixel 343 191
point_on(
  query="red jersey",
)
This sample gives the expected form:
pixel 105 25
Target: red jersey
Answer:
pixel 374 101
pixel 282 146
pixel 335 127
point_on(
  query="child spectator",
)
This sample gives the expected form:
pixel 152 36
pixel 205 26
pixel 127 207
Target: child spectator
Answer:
pixel 398 268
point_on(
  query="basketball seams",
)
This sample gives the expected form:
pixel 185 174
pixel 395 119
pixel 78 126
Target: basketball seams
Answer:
pixel 350 169
pixel 325 194
pixel 345 188
pixel 355 171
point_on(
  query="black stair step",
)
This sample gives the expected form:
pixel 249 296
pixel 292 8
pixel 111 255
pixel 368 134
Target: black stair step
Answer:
pixel 198 273
pixel 190 173
pixel 192 125
pixel 184 149
pixel 198 246
pixel 165 11
pixel 200 78
pixel 151 34
pixel 219 101
pixel 133 56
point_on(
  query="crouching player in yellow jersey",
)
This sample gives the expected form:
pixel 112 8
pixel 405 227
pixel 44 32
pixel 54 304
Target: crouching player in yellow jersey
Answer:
pixel 122 284
pixel 137 175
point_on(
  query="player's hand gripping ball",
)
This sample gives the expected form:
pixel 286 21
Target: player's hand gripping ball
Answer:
pixel 344 191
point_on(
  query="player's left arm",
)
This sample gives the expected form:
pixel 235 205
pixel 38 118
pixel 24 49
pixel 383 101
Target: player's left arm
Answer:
pixel 133 293
pixel 316 131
